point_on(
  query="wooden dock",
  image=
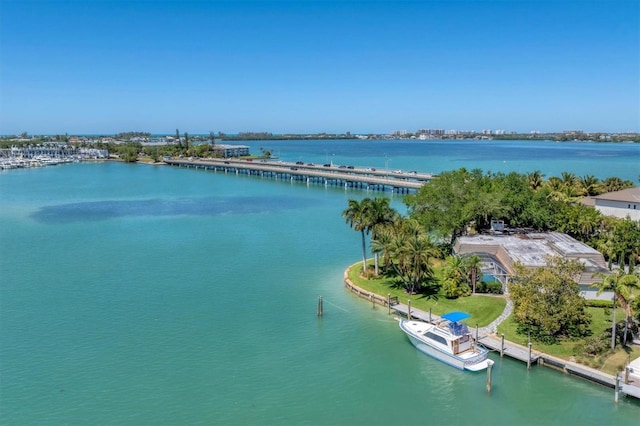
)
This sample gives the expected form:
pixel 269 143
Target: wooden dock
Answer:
pixel 509 349
pixel 630 389
pixel 328 175
pixel 504 347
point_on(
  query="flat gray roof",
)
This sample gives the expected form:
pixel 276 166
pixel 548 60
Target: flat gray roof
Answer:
pixel 532 248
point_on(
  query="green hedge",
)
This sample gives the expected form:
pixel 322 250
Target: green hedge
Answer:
pixel 599 303
pixel 491 287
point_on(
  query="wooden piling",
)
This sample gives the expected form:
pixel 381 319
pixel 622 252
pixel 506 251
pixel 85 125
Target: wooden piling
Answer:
pixel 373 301
pixel 616 392
pixel 409 309
pixel 389 303
pixel 529 358
pixel 430 315
pixel 626 375
pixel 489 365
pixel 320 310
pixel 502 347
pixel 476 332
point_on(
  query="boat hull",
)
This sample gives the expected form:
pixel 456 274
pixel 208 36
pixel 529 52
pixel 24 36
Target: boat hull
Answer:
pixel 477 361
pixel 436 353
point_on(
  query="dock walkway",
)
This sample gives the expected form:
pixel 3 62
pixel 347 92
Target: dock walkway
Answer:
pixel 481 335
pixel 486 336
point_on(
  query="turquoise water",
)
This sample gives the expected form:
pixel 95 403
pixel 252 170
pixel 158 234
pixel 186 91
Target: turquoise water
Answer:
pixel 551 158
pixel 135 294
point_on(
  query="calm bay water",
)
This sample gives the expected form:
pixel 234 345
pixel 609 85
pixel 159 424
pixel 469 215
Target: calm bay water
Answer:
pixel 134 294
pixel 551 158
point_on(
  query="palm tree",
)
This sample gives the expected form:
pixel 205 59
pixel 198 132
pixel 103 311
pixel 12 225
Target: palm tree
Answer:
pixel 555 188
pixel 455 269
pixel 589 185
pixel 564 189
pixel 621 284
pixel 416 254
pixel 379 213
pixel 568 179
pixel 611 184
pixel 381 245
pixel 178 140
pixel 535 179
pixel 456 276
pixel 409 250
pixel 357 216
pixel 472 266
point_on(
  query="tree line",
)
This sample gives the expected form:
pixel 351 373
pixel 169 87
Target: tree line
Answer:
pixel 547 301
pixel 463 201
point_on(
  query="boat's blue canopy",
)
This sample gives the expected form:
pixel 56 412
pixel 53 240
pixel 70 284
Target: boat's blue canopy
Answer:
pixel 456 316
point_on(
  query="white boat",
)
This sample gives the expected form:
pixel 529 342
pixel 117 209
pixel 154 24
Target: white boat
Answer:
pixel 449 341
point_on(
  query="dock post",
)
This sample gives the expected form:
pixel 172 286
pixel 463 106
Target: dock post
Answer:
pixel 430 314
pixel 476 332
pixel 409 309
pixel 490 364
pixel 529 359
pixel 389 303
pixel 373 301
pixel 626 375
pixel 320 306
pixel 617 390
pixel 502 346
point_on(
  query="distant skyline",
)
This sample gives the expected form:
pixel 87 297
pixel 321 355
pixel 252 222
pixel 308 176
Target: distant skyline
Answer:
pixel 110 66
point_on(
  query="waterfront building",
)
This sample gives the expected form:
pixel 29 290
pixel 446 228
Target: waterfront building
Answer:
pixel 501 251
pixel 618 203
pixel 227 151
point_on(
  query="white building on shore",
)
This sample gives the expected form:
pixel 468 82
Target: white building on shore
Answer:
pixel 618 204
pixel 228 151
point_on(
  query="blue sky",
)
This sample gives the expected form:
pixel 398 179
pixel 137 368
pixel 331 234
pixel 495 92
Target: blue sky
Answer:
pixel 318 66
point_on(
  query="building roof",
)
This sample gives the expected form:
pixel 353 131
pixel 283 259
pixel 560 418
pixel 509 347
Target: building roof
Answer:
pixel 631 195
pixel 589 201
pixel 533 249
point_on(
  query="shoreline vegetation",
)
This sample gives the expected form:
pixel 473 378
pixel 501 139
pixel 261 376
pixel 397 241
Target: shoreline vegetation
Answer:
pixel 414 257
pixel 484 309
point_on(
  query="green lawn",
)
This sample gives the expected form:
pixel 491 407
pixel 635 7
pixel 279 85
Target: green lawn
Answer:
pixel 620 359
pixel 563 349
pixel 483 309
pixel 600 320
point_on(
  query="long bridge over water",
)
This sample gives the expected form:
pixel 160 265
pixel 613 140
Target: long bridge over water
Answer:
pixel 328 174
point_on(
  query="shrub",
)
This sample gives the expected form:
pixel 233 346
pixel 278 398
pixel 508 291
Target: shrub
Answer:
pixel 491 287
pixel 453 289
pixel 593 303
pixel 592 346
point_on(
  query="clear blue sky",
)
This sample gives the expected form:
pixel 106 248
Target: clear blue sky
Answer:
pixel 313 66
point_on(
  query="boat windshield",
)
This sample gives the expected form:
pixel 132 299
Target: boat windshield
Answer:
pixel 458 328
